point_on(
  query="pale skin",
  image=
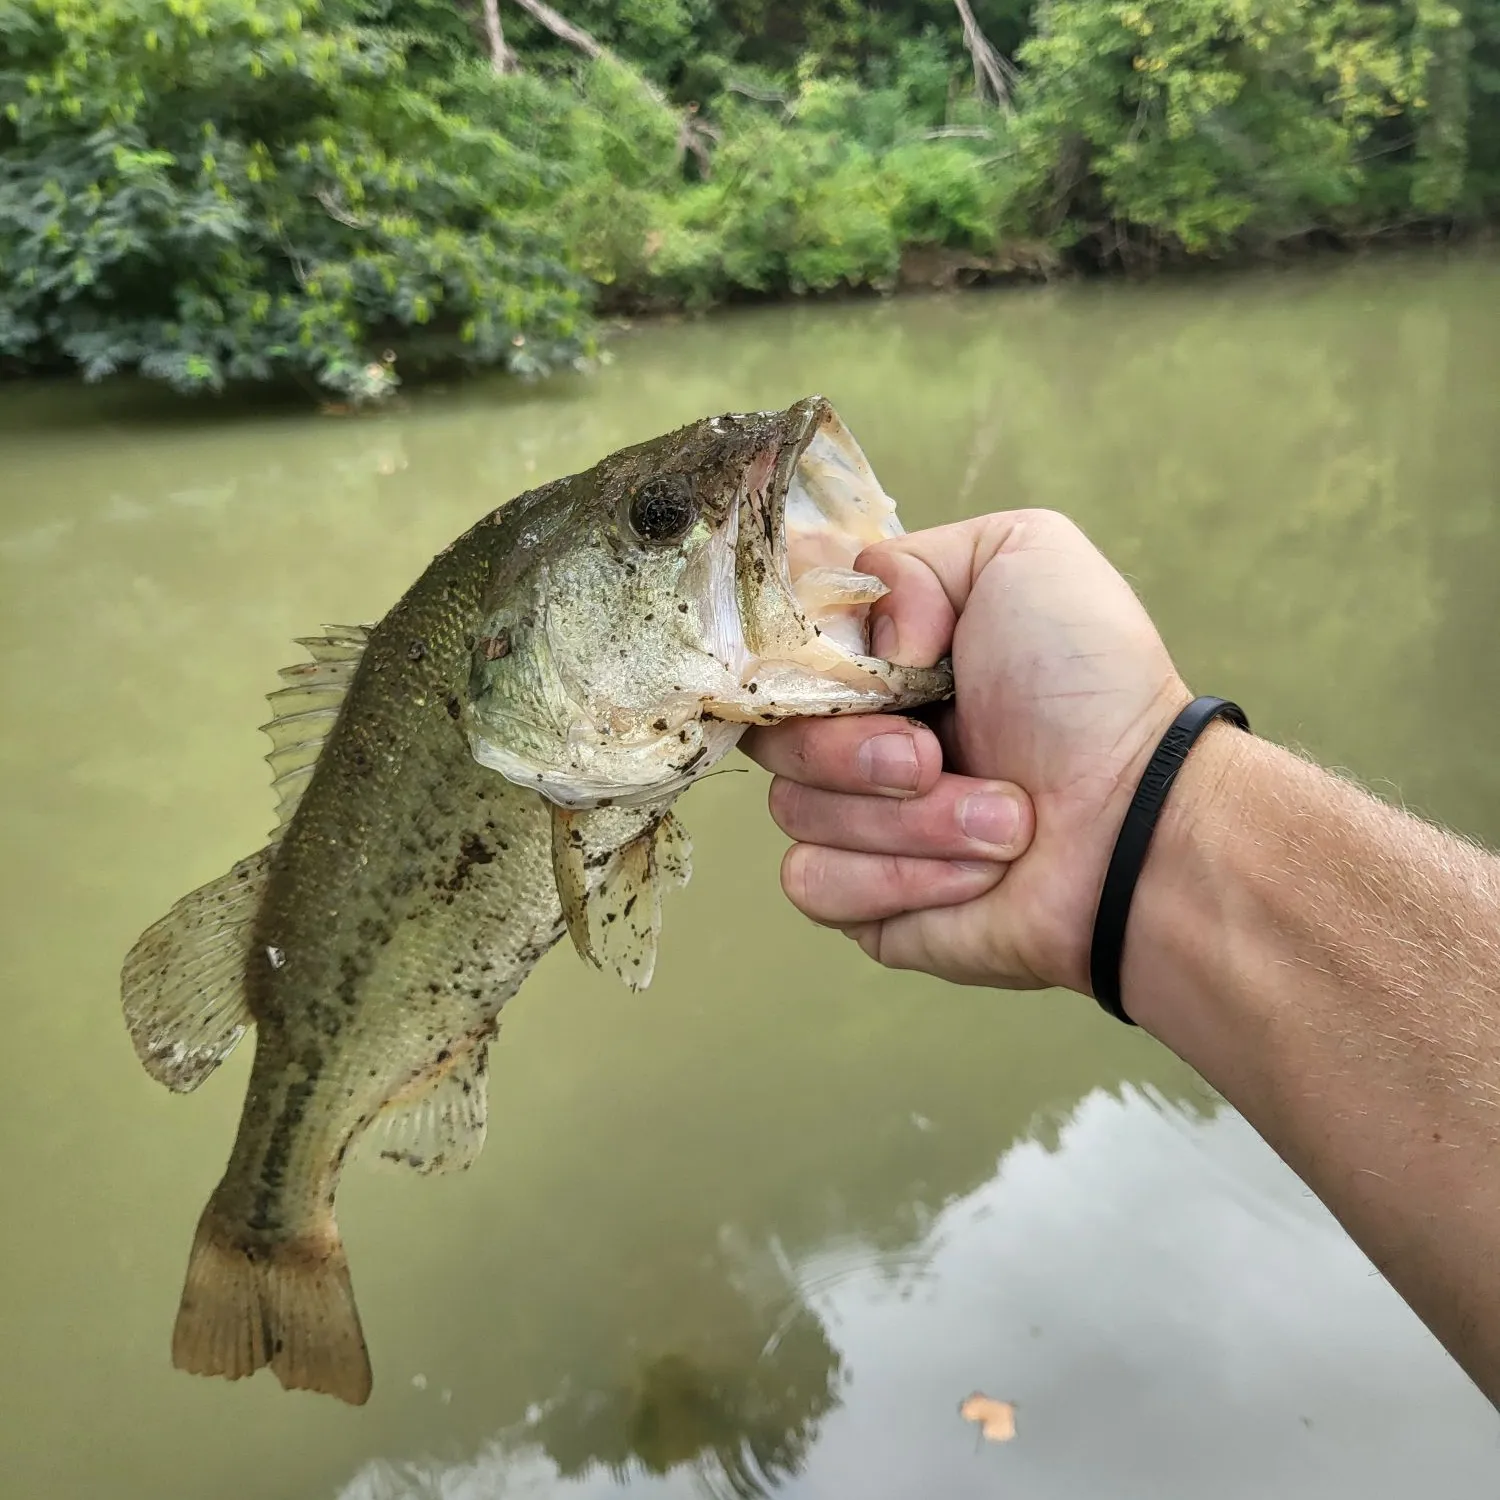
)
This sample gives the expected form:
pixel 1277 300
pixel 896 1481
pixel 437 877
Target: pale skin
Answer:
pixel 1329 963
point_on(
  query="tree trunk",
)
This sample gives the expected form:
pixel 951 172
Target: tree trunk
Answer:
pixel 503 59
pixel 993 75
pixel 576 36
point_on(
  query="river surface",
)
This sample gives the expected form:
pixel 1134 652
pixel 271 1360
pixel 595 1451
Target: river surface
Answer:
pixel 762 1228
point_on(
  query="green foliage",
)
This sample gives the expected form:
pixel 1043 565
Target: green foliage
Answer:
pixel 211 190
pixel 787 210
pixel 1482 80
pixel 821 191
pixel 217 190
pixel 1204 122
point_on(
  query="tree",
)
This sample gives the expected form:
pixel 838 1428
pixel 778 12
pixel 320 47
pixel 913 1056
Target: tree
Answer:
pixel 1193 125
pixel 210 190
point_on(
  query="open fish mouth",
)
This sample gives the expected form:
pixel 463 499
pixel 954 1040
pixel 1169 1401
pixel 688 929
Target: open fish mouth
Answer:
pixel 829 507
pixel 790 614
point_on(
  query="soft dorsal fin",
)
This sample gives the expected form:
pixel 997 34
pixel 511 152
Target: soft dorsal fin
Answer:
pixel 611 896
pixel 306 708
pixel 183 985
pixel 440 1125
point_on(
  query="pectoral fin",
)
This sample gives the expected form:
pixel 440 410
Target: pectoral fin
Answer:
pixel 611 892
pixel 570 869
pixel 183 984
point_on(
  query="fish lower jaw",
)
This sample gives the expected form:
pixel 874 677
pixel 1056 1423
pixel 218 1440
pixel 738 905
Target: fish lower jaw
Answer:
pixel 605 774
pixel 825 681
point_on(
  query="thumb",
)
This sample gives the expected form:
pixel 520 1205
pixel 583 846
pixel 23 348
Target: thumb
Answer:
pixel 930 575
pixel 974 943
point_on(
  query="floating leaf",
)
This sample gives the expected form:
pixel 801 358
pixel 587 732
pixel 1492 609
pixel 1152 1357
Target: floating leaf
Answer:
pixel 996 1419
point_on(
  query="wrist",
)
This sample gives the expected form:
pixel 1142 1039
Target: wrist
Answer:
pixel 1179 937
pixel 1134 840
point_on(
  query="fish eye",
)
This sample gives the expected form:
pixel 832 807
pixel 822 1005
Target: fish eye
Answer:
pixel 663 509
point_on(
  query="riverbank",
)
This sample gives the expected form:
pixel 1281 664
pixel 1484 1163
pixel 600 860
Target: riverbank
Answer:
pixel 856 321
pixel 257 193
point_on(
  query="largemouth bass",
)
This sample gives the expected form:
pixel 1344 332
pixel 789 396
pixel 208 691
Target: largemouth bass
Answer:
pixel 600 643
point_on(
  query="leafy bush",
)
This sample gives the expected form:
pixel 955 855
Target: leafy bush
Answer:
pixel 1207 122
pixel 786 210
pixel 823 191
pixel 210 190
pixel 947 194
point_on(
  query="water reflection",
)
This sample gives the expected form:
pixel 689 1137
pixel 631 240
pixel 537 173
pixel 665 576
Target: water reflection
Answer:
pixel 1243 1336
pixel 738 1415
pixel 742 1426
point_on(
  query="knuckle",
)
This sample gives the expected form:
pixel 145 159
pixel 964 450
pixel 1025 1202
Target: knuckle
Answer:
pixel 795 747
pixel 1036 524
pixel 913 820
pixel 818 753
pixel 811 884
pixel 1039 515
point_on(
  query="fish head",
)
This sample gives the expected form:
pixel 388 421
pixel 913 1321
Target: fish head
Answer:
pixel 646 612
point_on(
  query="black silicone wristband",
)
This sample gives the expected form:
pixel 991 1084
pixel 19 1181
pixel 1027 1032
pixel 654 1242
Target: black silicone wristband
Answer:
pixel 1135 840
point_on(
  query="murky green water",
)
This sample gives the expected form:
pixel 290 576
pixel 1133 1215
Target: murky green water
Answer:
pixel 767 1224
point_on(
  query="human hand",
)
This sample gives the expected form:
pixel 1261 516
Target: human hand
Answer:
pixel 1063 688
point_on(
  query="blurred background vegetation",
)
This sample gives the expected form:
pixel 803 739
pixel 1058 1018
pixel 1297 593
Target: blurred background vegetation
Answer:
pixel 210 191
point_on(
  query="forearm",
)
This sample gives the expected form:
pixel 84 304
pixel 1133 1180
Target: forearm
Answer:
pixel 1332 966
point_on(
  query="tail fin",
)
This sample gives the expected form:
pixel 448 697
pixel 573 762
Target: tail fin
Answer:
pixel 288 1304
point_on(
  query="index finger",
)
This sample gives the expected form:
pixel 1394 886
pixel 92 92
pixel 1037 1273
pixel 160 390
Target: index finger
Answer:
pixel 873 754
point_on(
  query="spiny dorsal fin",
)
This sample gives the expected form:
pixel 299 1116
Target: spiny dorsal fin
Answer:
pixel 440 1125
pixel 183 985
pixel 306 709
pixel 611 897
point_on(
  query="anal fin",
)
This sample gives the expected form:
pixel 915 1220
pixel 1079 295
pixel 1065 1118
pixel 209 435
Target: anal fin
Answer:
pixel 440 1125
pixel 183 984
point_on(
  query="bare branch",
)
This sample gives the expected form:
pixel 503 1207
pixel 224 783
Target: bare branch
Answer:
pixel 763 96
pixel 564 29
pixel 591 47
pixel 694 134
pixel 334 206
pixel 993 74
pixel 958 132
pixel 501 56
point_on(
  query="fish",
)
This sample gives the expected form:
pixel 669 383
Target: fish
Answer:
pixel 489 767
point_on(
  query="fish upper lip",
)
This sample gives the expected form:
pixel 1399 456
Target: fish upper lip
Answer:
pixel 811 412
pixel 761 543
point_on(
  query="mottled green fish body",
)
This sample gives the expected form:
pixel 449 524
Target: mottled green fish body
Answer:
pixel 490 766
